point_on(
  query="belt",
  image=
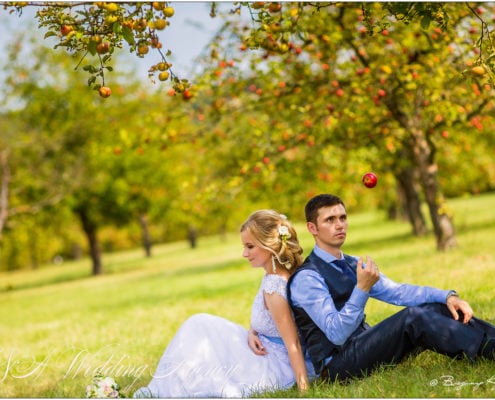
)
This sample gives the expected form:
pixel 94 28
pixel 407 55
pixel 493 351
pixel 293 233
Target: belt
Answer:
pixel 274 339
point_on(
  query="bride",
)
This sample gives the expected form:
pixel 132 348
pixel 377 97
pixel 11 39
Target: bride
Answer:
pixel 213 357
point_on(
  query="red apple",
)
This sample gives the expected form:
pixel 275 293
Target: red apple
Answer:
pixel 370 180
pixel 274 7
pixel 102 48
pixel 105 92
pixel 186 95
pixel 66 29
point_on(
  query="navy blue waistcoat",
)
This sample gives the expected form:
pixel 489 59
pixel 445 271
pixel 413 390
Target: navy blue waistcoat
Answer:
pixel 340 288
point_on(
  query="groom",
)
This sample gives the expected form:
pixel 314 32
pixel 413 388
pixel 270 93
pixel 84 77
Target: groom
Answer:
pixel 328 294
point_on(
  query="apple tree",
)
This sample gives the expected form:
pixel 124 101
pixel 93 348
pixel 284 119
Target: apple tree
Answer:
pixel 386 98
pixel 94 31
pixel 64 143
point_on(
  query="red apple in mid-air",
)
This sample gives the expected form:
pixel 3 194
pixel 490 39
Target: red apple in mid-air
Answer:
pixel 370 180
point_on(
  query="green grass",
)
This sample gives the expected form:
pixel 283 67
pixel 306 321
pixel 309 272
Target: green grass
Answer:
pixel 58 325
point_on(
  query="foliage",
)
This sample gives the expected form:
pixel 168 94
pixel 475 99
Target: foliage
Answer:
pixel 94 31
pixel 119 162
pixel 65 154
pixel 98 29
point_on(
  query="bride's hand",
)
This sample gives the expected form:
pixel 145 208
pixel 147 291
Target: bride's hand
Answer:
pixel 255 344
pixel 302 386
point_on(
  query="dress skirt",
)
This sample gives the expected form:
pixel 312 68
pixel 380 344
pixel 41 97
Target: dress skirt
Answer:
pixel 210 357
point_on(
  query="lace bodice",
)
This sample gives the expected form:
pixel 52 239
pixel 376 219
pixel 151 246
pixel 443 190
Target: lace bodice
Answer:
pixel 261 319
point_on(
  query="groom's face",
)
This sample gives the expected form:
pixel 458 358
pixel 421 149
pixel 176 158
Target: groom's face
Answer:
pixel 330 229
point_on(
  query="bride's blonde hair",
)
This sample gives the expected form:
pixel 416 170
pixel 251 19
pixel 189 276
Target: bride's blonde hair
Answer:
pixel 275 233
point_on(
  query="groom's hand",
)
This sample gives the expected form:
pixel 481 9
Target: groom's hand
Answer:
pixel 455 304
pixel 367 276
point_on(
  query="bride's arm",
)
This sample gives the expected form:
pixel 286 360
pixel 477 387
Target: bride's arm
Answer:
pixel 281 314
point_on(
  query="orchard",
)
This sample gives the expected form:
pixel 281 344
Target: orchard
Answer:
pixel 293 99
pixel 357 80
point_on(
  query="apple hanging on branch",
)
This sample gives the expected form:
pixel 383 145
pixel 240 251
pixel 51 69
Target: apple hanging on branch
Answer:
pixel 95 30
pixel 105 92
pixel 78 26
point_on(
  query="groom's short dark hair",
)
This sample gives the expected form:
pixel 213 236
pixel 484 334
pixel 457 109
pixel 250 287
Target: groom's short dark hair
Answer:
pixel 319 201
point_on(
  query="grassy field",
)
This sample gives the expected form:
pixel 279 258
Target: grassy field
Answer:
pixel 59 325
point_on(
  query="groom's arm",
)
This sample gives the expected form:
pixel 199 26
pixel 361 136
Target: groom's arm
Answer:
pixel 309 291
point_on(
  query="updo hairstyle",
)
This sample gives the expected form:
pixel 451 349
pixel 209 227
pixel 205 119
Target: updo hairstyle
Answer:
pixel 275 233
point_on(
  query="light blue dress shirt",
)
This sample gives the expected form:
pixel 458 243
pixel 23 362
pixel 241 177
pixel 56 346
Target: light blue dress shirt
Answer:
pixel 309 291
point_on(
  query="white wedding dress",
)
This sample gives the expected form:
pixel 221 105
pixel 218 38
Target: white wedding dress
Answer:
pixel 210 357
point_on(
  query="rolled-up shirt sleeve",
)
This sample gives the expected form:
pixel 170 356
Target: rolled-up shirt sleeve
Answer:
pixel 405 294
pixel 310 292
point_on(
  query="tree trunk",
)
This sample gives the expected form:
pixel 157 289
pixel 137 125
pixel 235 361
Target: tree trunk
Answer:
pixel 423 157
pixel 146 237
pixel 4 190
pixel 192 236
pixel 412 202
pixel 32 250
pixel 427 167
pixel 90 229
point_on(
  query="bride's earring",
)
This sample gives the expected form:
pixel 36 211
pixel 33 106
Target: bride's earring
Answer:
pixel 273 265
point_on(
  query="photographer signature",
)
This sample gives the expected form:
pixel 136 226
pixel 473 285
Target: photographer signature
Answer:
pixel 450 381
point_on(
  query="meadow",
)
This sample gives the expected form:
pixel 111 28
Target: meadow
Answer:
pixel 59 325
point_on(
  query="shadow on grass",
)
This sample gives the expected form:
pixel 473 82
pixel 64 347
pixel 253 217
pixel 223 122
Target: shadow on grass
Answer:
pixel 207 268
pixel 392 240
pixel 52 280
pixel 465 227
pixel 66 276
pixel 383 241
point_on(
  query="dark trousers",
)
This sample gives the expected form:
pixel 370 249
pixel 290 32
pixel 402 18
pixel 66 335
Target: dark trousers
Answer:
pixel 411 330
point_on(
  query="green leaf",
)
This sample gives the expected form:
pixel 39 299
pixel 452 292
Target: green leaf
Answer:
pixel 92 47
pixel 425 22
pixel 49 34
pixel 128 35
pixel 90 68
pixel 116 28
